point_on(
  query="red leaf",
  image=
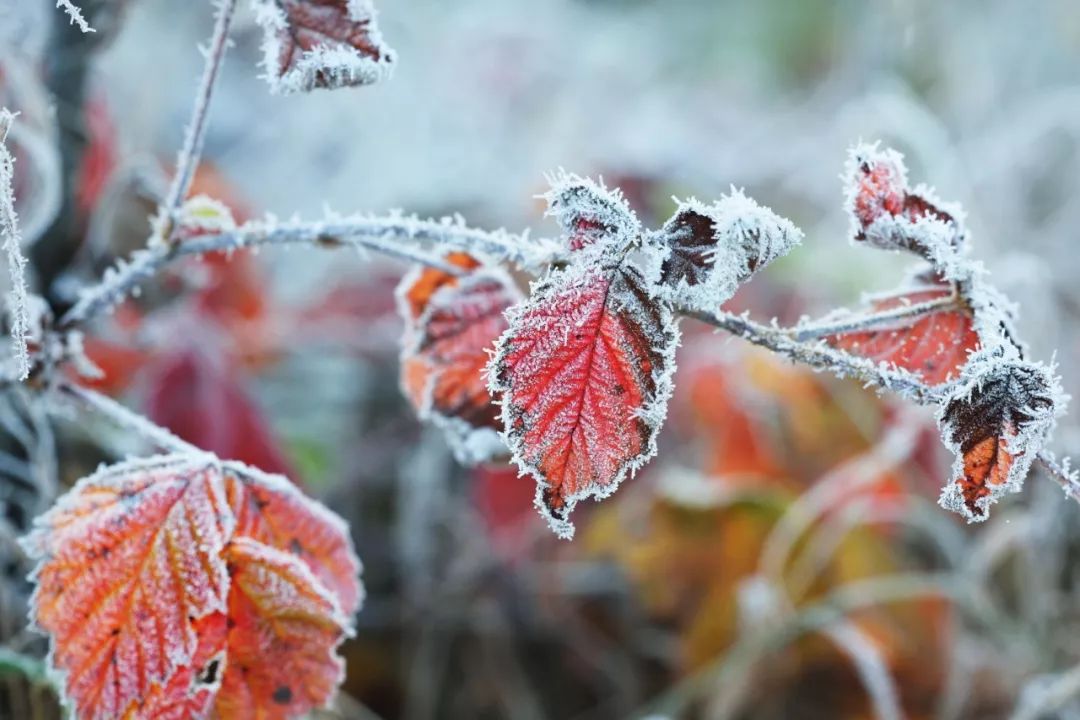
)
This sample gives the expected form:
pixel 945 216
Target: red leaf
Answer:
pixel 585 372
pixel 322 44
pixel 995 423
pixel 886 212
pixel 935 347
pixel 204 403
pixel 119 364
pixel 590 214
pixel 284 628
pixel 451 325
pixel 130 564
pixel 273 511
pixel 159 599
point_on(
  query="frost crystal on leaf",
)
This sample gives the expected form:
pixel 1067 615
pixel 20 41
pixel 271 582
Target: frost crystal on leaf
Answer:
pixel 311 44
pixel 704 252
pixel 886 213
pixel 996 422
pixel 585 376
pixel 590 215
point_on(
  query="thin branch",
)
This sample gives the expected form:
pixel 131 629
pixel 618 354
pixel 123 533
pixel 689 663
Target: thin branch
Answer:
pixel 865 656
pixel 192 148
pixel 75 15
pixel 872 321
pixel 12 241
pixel 122 417
pixel 820 356
pixel 1061 473
pixel 383 235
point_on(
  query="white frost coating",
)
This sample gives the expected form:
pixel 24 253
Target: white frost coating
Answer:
pixel 470 445
pixel 18 306
pixel 1003 395
pixel 658 325
pixel 329 65
pixel 203 215
pixel 75 15
pixel 281 485
pixel 704 252
pixel 596 220
pixel 43 541
pixel 883 222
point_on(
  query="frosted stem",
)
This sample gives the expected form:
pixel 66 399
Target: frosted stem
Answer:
pixel 75 15
pixel 191 150
pixel 384 235
pixel 820 356
pixel 125 418
pixel 872 321
pixel 12 241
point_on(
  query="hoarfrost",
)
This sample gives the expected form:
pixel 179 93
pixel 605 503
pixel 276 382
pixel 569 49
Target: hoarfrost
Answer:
pixel 18 305
pixel 590 215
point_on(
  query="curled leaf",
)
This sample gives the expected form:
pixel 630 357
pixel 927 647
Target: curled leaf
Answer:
pixel 585 376
pixel 591 215
pixel 311 44
pixel 887 213
pixel 451 326
pixel 705 251
pixel 996 423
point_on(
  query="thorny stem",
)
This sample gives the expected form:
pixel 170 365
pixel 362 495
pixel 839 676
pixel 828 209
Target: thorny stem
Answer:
pixel 378 234
pixel 125 418
pixel 191 151
pixel 1060 473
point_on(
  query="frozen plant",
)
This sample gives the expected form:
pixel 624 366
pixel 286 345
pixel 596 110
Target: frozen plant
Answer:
pixel 570 381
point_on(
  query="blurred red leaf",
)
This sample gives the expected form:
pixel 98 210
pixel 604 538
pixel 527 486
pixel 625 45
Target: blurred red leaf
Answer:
pixel 585 374
pixel 203 401
pixel 934 347
pixel 119 365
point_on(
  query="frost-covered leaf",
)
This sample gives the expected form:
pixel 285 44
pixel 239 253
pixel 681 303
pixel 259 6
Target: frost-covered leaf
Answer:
pixel 934 346
pixel 996 423
pixel 451 325
pixel 585 372
pixel 591 215
pixel 191 691
pixel 129 564
pixel 270 509
pixel 311 44
pixel 284 628
pixel 704 251
pixel 887 213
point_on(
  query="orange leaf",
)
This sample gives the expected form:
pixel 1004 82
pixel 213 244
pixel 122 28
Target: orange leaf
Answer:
pixel 270 509
pixel 283 630
pixel 191 691
pixel 995 423
pixel 934 347
pixel 130 564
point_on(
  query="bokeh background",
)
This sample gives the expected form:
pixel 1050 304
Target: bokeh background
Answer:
pixel 783 557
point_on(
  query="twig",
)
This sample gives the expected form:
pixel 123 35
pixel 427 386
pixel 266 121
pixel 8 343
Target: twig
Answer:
pixel 191 150
pixel 1061 473
pixel 75 15
pixel 9 230
pixel 865 656
pixel 378 234
pixel 125 418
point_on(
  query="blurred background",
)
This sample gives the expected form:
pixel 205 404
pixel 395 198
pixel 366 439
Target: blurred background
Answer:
pixel 783 557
